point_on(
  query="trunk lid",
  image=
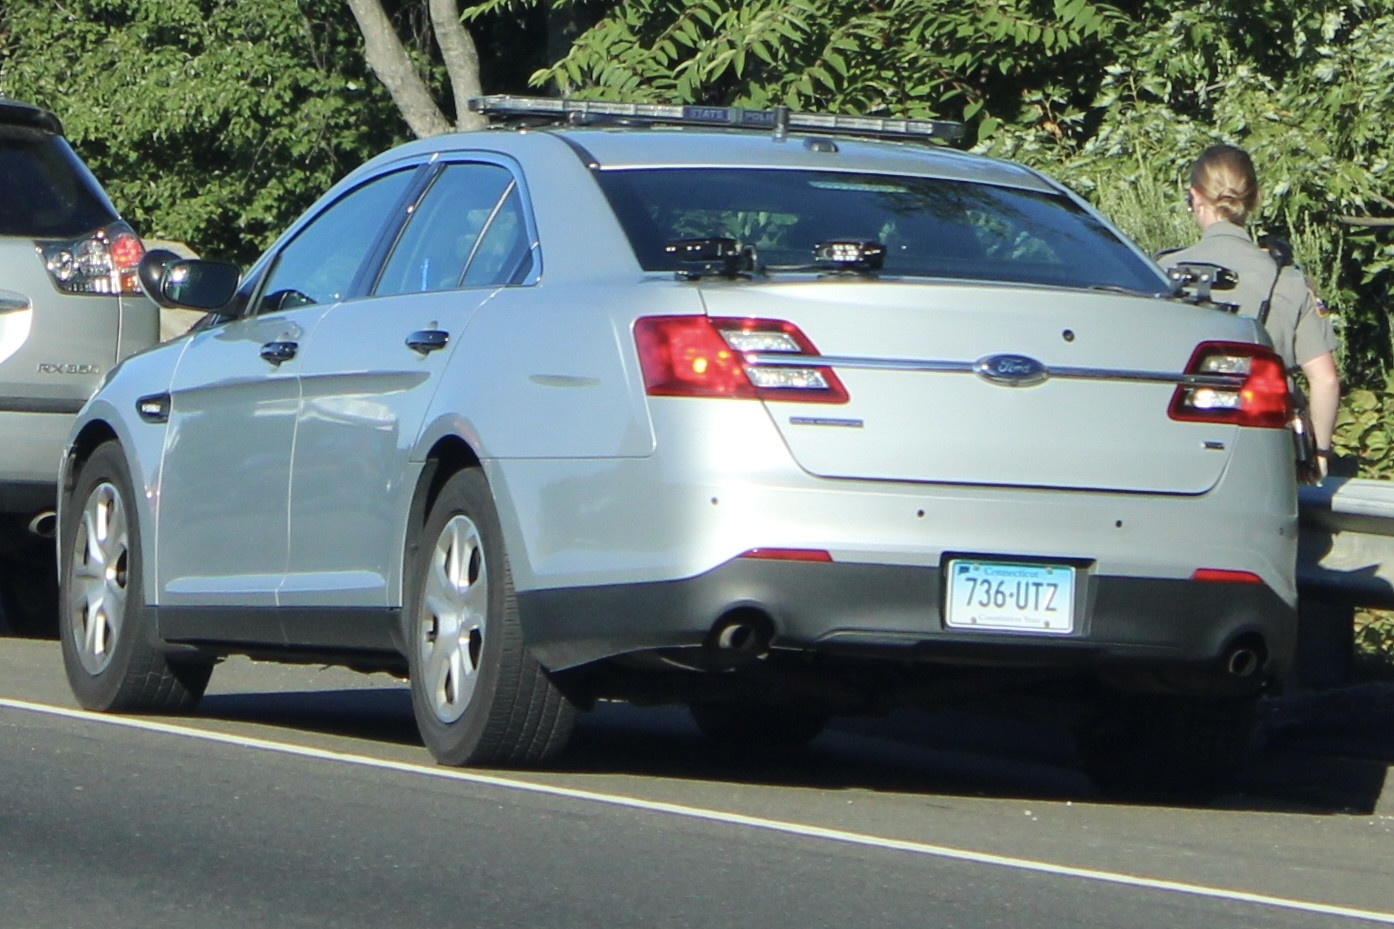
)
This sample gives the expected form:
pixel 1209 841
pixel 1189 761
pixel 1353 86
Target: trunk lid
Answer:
pixel 998 385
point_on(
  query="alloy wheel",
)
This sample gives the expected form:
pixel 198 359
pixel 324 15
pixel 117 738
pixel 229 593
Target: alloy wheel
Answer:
pixel 450 626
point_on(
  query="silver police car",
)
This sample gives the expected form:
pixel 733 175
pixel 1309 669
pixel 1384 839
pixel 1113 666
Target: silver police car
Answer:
pixel 780 416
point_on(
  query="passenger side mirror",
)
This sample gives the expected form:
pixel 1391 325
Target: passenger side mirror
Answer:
pixel 187 283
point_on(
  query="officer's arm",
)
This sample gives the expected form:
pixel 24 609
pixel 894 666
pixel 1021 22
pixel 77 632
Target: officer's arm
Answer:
pixel 1323 395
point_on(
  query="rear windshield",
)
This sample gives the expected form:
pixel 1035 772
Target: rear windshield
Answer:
pixel 931 227
pixel 45 190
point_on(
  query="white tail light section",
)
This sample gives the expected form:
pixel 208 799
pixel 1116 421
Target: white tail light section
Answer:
pixel 1234 382
pixel 104 262
pixel 748 359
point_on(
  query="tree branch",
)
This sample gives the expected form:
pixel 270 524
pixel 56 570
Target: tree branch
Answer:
pixel 461 57
pixel 390 62
pixel 1366 220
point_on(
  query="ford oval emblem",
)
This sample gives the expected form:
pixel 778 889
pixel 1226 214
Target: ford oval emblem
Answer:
pixel 1011 370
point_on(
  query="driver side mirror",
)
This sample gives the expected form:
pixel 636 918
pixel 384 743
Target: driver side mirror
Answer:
pixel 187 283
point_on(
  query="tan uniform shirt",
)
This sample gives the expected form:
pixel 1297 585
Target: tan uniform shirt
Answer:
pixel 1297 322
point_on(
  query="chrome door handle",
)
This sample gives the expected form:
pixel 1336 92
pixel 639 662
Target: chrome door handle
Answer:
pixel 277 352
pixel 428 340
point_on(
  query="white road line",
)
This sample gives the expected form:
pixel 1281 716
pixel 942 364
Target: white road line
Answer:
pixel 735 819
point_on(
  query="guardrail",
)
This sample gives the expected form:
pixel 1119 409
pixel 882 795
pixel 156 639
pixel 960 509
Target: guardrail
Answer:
pixel 1345 560
pixel 1345 545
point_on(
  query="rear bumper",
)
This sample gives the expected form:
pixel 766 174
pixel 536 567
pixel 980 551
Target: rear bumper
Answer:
pixel 29 459
pixel 897 611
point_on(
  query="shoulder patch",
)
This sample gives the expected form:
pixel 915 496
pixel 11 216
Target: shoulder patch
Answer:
pixel 1318 304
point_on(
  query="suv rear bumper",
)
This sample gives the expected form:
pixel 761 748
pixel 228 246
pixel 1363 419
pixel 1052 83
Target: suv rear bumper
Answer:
pixel 896 611
pixel 34 443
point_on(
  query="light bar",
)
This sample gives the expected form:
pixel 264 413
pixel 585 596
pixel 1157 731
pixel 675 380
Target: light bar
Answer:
pixel 778 120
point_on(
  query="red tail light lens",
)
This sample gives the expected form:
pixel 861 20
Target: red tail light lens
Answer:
pixel 104 262
pixel 1234 382
pixel 748 359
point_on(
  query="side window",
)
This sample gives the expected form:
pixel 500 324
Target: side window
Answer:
pixel 447 229
pixel 320 263
pixel 504 253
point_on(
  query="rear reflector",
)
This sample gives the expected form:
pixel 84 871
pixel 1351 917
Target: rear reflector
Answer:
pixel 789 554
pixel 1234 382
pixel 745 359
pixel 1226 576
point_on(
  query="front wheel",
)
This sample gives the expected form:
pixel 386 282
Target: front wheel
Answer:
pixel 479 697
pixel 109 652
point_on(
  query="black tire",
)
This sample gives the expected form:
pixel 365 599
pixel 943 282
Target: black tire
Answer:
pixel 29 592
pixel 479 697
pixel 1168 745
pixel 748 724
pixel 109 649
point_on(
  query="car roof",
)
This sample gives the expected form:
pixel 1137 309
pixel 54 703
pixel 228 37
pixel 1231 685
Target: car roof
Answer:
pixel 16 113
pixel 612 148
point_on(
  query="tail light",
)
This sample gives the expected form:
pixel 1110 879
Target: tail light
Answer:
pixel 747 359
pixel 104 262
pixel 1234 382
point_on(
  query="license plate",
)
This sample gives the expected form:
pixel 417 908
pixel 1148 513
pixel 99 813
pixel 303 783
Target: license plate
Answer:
pixel 1001 596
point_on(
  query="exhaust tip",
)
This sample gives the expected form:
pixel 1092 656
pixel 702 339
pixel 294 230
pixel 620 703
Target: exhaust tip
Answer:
pixel 743 633
pixel 1244 660
pixel 44 525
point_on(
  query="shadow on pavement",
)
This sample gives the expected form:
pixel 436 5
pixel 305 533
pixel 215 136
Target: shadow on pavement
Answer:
pixel 1320 753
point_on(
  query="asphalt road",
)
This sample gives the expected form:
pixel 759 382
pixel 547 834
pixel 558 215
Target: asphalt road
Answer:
pixel 301 796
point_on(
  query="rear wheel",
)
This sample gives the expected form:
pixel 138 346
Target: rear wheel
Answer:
pixel 1167 744
pixel 109 650
pixel 478 695
pixel 751 724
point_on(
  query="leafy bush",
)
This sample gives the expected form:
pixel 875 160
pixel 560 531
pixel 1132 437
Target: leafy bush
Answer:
pixel 1374 645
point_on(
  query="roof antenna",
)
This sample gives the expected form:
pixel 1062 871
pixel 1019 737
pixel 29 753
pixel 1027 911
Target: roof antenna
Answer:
pixel 781 123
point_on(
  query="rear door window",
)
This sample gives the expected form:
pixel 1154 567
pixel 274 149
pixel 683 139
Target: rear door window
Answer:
pixel 468 230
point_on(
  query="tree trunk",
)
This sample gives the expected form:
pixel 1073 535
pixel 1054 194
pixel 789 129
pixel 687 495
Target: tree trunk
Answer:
pixel 461 60
pixel 390 62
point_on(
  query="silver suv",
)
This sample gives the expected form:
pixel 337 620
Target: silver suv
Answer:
pixel 70 308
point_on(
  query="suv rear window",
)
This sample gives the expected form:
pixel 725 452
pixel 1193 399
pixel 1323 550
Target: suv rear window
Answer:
pixel 45 189
pixel 931 227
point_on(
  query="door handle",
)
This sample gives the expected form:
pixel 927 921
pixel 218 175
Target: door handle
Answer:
pixel 428 340
pixel 277 352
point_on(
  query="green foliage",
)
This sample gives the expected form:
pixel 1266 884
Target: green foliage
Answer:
pixel 1365 430
pixel 209 122
pixel 961 58
pixel 1374 645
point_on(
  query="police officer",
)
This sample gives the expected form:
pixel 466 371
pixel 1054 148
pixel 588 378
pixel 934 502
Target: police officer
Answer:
pixel 1223 193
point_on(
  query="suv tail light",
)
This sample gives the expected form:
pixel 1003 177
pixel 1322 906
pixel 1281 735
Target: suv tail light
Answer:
pixel 747 359
pixel 1234 382
pixel 103 262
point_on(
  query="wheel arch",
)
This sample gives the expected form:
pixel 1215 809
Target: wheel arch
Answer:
pixel 93 435
pixel 447 456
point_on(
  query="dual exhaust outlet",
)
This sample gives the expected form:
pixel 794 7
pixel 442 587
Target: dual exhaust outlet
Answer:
pixel 746 634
